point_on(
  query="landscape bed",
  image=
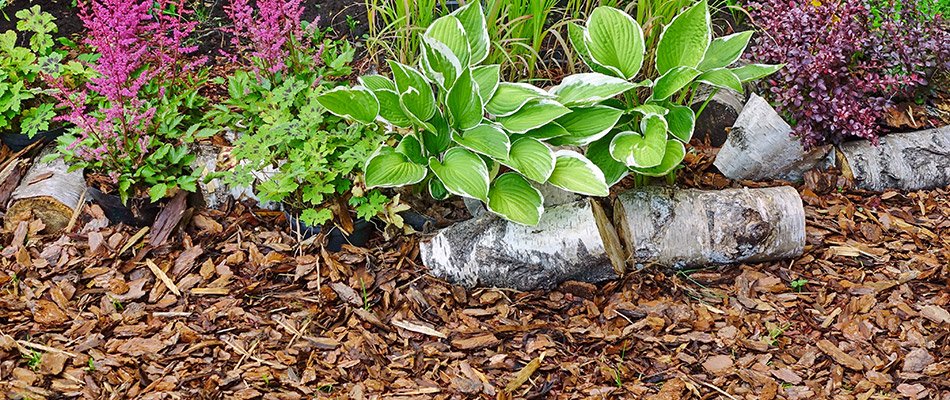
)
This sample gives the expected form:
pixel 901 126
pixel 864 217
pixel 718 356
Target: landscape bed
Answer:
pixel 498 199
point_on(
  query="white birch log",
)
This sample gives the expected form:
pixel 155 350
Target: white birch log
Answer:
pixel 681 228
pixel 905 161
pixel 48 192
pixel 573 241
pixel 760 147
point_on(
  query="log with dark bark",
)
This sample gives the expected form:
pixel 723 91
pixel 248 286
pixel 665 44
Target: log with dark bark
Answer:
pixel 905 161
pixel 760 147
pixel 681 228
pixel 48 192
pixel 719 115
pixel 574 241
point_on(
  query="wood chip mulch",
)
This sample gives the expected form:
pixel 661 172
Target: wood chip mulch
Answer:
pixel 232 308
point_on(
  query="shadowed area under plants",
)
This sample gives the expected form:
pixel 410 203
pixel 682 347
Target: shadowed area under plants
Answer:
pixel 232 307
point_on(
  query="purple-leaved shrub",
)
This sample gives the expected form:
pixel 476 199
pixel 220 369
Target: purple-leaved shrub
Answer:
pixel 134 114
pixel 843 65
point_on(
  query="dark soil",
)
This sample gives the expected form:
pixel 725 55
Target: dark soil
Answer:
pixel 67 16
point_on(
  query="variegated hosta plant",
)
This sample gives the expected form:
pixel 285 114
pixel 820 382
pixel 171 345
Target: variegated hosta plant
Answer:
pixel 650 140
pixel 468 134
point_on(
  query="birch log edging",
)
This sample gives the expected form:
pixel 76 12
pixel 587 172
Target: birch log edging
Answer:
pixel 905 161
pixel 48 192
pixel 681 228
pixel 760 147
pixel 568 244
pixel 720 114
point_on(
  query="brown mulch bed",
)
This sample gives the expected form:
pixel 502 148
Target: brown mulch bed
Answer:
pixel 233 307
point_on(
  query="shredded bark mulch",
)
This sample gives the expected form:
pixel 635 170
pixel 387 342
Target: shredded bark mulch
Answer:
pixel 235 307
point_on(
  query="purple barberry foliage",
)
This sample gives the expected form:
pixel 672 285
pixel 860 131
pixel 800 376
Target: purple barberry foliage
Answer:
pixel 842 68
pixel 268 36
pixel 139 45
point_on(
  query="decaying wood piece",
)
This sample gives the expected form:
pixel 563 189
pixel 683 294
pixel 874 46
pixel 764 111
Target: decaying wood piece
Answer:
pixel 760 147
pixel 48 192
pixel 568 244
pixel 905 161
pixel 681 228
pixel 720 114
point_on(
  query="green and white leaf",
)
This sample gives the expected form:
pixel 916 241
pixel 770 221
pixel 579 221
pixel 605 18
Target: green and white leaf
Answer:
pixel 599 154
pixel 641 150
pixel 575 173
pixel 651 109
pixel 488 77
pixel 533 115
pixel 589 88
pixel 724 51
pixel 548 131
pixel 412 149
pixel 439 63
pixel 437 189
pixel 449 30
pixel 530 157
pixel 615 41
pixel 357 103
pixel 721 78
pixel 510 97
pixel 377 82
pixel 472 18
pixel 673 81
pixel 464 103
pixel 751 72
pixel 415 94
pixel 682 122
pixel 389 168
pixel 672 157
pixel 437 135
pixel 390 109
pixel 514 198
pixel 685 40
pixel 576 34
pixel 587 124
pixel 462 172
pixel 486 139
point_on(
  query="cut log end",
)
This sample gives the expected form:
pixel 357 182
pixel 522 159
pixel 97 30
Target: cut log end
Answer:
pixel 55 215
pixel 48 192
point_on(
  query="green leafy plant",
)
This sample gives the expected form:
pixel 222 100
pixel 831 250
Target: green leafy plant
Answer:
pixel 33 359
pixel 651 140
pixel 798 284
pixel 314 157
pixel 25 102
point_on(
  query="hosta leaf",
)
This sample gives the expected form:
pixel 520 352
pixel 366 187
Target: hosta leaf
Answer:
pixel 672 157
pixel 356 103
pixel 415 94
pixel 589 88
pixel 685 40
pixel 575 173
pixel 651 109
pixel 548 131
pixel 437 135
pixel 533 115
pixel 449 30
pixel 751 72
pixel 673 81
pixel 389 168
pixel 486 139
pixel 513 198
pixel 682 121
pixel 464 103
pixel 488 77
pixel 510 97
pixel 377 82
pixel 587 124
pixel 532 158
pixel 437 189
pixel 599 154
pixel 412 149
pixel 390 110
pixel 724 51
pixel 576 33
pixel 462 172
pixel 641 150
pixel 476 31
pixel 615 41
pixel 439 63
pixel 721 78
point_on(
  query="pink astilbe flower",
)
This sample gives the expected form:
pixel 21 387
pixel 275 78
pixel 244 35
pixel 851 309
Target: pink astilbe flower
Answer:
pixel 141 47
pixel 269 36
